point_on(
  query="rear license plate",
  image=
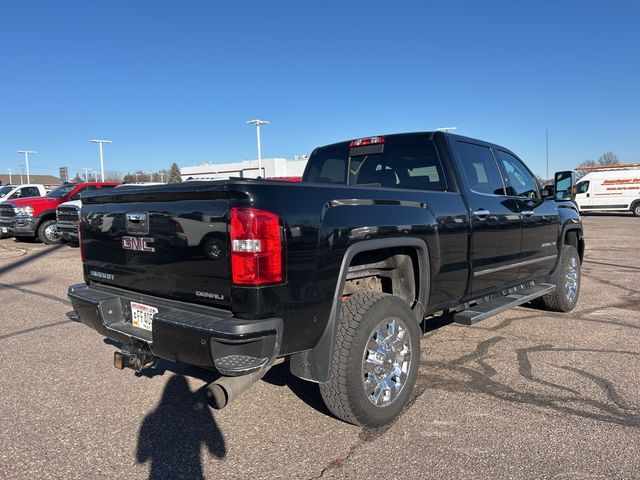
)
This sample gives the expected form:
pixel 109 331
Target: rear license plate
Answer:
pixel 142 315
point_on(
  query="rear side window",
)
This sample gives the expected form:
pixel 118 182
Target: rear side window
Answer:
pixel 408 161
pixel 480 168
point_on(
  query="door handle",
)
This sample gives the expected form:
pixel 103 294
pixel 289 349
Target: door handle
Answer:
pixel 481 213
pixel 527 213
pixel 588 195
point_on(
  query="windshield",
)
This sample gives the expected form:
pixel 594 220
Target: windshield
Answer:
pixel 61 191
pixel 6 189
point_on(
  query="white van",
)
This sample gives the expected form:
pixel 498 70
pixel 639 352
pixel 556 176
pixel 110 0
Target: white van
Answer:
pixel 614 188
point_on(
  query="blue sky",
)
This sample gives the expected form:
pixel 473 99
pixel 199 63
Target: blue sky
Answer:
pixel 176 81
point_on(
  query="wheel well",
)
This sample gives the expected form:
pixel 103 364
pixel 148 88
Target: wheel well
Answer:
pixel 387 270
pixel 575 239
pixel 45 217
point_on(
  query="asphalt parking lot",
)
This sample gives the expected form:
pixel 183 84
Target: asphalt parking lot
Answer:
pixel 525 394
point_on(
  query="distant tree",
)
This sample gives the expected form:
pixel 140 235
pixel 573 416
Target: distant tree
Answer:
pixel 77 178
pixel 608 158
pixel 588 163
pixel 174 174
pixel 128 178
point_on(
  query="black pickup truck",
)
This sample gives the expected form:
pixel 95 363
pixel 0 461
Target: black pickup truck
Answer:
pixel 335 273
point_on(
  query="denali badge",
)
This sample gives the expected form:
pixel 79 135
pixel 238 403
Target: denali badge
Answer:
pixel 140 244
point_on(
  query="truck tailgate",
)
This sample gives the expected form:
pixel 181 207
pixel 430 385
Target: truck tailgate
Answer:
pixel 161 241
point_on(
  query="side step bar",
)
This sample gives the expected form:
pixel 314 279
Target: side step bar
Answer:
pixel 496 304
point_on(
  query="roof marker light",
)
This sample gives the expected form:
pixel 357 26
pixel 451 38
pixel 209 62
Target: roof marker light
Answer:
pixel 361 142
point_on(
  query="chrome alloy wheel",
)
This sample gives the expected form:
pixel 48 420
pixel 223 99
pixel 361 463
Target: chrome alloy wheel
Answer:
pixel 386 362
pixel 52 233
pixel 571 279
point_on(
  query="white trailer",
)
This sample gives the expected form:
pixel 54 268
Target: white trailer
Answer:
pixel 612 188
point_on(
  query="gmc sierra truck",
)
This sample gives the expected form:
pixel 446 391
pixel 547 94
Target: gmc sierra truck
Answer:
pixel 335 273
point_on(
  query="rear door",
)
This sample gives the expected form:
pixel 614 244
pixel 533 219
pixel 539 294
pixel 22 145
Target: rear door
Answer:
pixel 496 223
pixel 540 221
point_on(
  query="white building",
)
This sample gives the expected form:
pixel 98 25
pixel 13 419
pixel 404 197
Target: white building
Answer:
pixel 271 167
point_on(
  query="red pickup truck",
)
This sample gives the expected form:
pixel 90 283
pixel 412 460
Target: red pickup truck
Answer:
pixel 35 217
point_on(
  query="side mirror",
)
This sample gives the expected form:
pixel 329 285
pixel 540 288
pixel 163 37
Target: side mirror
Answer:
pixel 565 185
pixel 548 192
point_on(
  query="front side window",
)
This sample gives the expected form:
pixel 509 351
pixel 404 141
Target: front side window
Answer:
pixel 520 182
pixel 582 187
pixel 6 189
pixel 480 168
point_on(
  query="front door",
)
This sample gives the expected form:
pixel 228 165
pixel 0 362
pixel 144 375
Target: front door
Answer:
pixel 540 221
pixel 496 223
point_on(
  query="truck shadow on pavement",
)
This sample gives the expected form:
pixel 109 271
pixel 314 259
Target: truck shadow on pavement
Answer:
pixel 28 257
pixel 172 436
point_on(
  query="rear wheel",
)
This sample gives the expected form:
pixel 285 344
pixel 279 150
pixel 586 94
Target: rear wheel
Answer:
pixel 375 362
pixel 567 280
pixel 48 233
pixel 635 208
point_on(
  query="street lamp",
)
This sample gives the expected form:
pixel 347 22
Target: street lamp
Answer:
pixel 86 175
pixel 257 123
pixel 10 170
pixel 26 159
pixel 100 142
pixel 445 129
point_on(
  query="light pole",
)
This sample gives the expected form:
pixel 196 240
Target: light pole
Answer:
pixel 86 176
pixel 26 159
pixel 10 170
pixel 445 129
pixel 547 133
pixel 257 123
pixel 161 177
pixel 100 142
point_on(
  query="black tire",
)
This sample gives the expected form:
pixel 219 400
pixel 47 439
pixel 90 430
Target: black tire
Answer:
pixel 567 279
pixel 25 239
pixel 635 208
pixel 48 233
pixel 344 393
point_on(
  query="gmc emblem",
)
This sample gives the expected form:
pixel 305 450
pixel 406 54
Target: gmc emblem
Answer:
pixel 140 244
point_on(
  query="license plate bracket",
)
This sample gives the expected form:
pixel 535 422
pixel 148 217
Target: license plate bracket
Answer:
pixel 142 315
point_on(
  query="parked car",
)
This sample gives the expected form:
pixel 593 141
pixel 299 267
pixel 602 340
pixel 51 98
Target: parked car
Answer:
pixel 67 218
pixel 35 217
pixel 68 213
pixel 13 192
pixel 335 272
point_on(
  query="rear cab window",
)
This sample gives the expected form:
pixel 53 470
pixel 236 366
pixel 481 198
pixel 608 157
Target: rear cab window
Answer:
pixel 407 161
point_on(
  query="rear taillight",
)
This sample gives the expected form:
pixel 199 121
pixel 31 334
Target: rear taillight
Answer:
pixel 256 247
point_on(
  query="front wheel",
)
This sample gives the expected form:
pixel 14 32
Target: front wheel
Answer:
pixel 636 209
pixel 375 362
pixel 48 233
pixel 567 279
